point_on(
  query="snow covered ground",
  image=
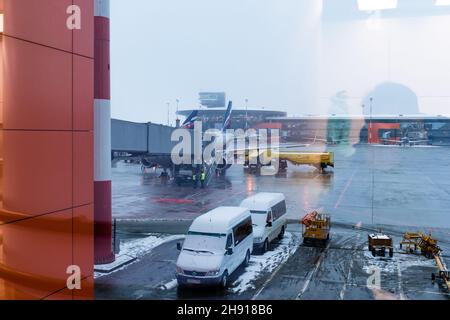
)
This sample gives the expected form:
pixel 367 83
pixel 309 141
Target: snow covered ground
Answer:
pixel 259 264
pixel 140 247
pixel 266 263
pixel 398 261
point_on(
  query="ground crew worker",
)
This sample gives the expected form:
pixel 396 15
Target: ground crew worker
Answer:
pixel 203 178
pixel 194 180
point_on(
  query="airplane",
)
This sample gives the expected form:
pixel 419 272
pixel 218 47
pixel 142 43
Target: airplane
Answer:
pixel 403 141
pixel 230 139
pixel 330 140
pixel 190 120
pixel 185 172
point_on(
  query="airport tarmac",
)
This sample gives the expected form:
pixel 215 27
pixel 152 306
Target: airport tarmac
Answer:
pixel 397 189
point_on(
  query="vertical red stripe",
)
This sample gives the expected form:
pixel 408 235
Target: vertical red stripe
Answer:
pixel 102 89
pixel 103 226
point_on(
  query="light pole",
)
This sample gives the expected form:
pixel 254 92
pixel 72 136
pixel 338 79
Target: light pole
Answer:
pixel 246 114
pixel 373 157
pixel 370 121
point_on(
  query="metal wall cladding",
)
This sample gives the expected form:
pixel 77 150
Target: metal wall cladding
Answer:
pixel 128 136
pixel 42 22
pixel 159 139
pixel 37 172
pixel 146 138
pixel 46 216
pixel 37 87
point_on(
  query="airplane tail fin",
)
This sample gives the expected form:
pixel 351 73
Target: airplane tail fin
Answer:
pixel 227 117
pixel 189 122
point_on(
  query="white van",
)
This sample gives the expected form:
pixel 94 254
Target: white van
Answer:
pixel 217 243
pixel 269 218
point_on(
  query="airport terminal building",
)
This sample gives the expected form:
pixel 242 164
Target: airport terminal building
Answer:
pixel 213 118
pixel 336 128
pixel 365 129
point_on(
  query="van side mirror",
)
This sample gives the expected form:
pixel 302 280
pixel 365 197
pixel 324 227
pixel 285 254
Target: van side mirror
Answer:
pixel 269 224
pixel 178 246
pixel 229 251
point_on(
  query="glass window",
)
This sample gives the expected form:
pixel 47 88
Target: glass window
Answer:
pixel 278 210
pixel 242 230
pixel 229 241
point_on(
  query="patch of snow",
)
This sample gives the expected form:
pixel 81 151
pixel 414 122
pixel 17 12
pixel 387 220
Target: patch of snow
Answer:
pixel 139 248
pixel 400 260
pixel 169 285
pixel 379 237
pixel 266 263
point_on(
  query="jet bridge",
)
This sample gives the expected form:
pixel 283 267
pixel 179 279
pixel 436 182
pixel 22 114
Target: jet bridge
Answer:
pixel 141 138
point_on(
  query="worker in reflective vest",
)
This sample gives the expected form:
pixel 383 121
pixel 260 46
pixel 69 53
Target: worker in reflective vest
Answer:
pixel 194 180
pixel 203 179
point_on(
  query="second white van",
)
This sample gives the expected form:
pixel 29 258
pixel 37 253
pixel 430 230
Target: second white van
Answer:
pixel 217 243
pixel 268 212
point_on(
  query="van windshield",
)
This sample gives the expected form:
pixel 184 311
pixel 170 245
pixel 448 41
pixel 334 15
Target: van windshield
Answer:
pixel 259 218
pixel 207 243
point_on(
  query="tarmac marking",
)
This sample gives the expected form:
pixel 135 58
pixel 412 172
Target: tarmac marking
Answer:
pixel 231 196
pixel 349 274
pixel 435 293
pixel 191 196
pixel 341 196
pixel 267 282
pixel 437 185
pixel 173 200
pixel 400 287
pixel 292 277
pixel 312 272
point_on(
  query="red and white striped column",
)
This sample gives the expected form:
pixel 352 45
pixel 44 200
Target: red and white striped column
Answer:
pixel 103 251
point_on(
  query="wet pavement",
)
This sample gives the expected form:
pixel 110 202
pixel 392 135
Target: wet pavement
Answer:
pixel 397 189
pixel 409 186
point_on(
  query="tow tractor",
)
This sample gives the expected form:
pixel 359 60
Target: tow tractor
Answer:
pixel 316 229
pixel 379 243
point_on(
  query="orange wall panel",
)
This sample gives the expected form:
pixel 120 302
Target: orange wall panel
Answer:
pixel 10 290
pixel 38 87
pixel 83 40
pixel 83 239
pixel 39 21
pixel 62 295
pixel 39 250
pixel 83 93
pixel 87 290
pixel 376 127
pixel 83 171
pixel 37 171
pixel 48 96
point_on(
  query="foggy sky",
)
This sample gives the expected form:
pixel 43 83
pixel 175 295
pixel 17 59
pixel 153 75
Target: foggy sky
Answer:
pixel 281 55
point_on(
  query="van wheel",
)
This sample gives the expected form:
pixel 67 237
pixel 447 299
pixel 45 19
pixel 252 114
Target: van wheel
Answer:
pixel 281 235
pixel 266 246
pixel 224 281
pixel 247 259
